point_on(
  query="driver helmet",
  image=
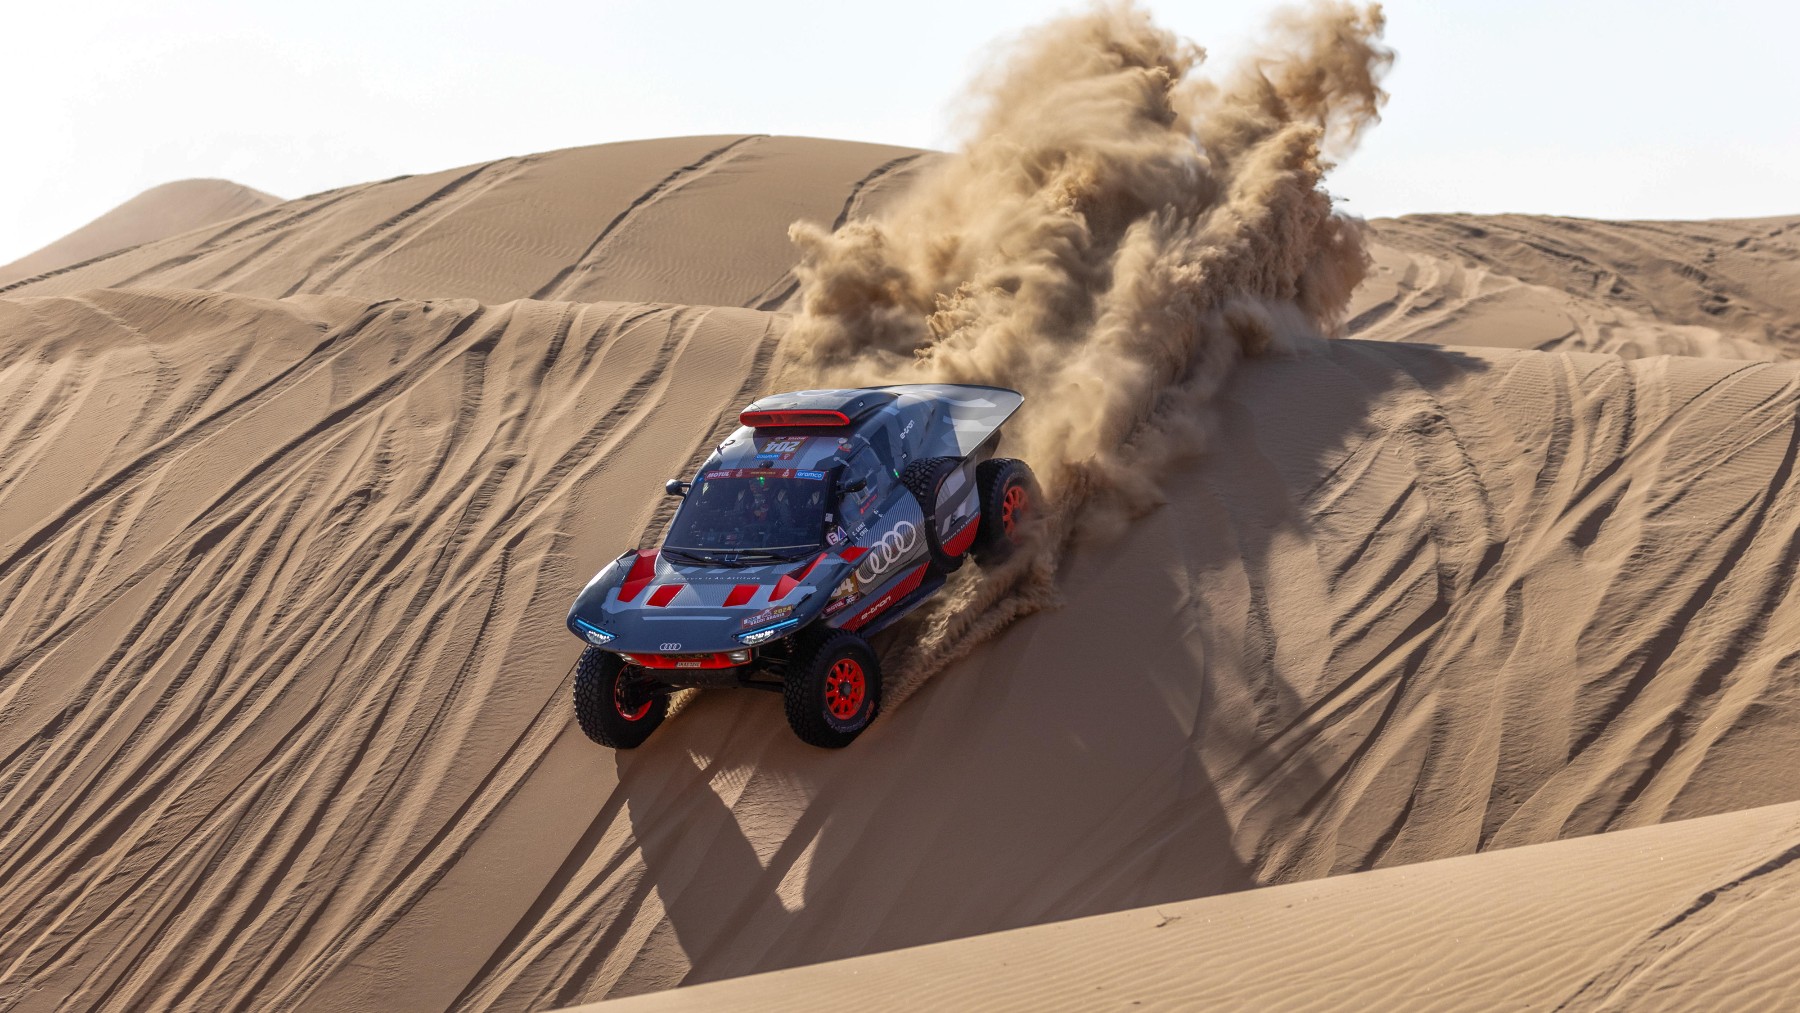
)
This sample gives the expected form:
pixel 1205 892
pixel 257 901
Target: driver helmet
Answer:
pixel 762 502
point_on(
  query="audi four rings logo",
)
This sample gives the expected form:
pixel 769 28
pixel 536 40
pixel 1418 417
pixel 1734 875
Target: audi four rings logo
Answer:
pixel 894 546
pixel 668 647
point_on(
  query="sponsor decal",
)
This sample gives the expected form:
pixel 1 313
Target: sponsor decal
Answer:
pixel 816 476
pixel 847 593
pixel 835 536
pixel 876 609
pixel 907 429
pixel 893 548
pixel 668 647
pixel 752 473
pixel 767 615
pixel 779 450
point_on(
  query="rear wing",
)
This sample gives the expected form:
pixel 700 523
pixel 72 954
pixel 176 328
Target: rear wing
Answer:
pixel 974 412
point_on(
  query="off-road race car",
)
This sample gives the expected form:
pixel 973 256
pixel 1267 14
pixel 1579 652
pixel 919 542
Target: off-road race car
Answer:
pixel 824 519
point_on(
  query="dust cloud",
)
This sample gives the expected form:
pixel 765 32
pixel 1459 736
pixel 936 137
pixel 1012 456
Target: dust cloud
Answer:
pixel 1118 230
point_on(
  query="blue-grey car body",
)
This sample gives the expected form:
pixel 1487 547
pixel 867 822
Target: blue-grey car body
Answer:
pixel 869 567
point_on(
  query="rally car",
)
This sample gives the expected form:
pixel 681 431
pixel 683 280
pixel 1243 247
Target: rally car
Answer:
pixel 827 517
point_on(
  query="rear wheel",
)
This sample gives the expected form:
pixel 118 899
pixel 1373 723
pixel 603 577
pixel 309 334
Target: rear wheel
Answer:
pixel 923 478
pixel 614 702
pixel 833 688
pixel 1009 500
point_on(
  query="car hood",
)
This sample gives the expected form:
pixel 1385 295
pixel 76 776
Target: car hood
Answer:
pixel 651 604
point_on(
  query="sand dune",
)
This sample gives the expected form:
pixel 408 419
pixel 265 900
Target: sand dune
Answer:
pixel 1718 288
pixel 698 220
pixel 280 651
pixel 703 220
pixel 1690 915
pixel 1741 276
pixel 158 213
pixel 283 715
pixel 293 499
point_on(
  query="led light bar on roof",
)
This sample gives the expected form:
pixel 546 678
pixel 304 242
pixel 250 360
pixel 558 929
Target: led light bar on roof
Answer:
pixel 793 417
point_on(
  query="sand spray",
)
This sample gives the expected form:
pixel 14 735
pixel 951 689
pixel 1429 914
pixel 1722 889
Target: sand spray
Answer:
pixel 1116 232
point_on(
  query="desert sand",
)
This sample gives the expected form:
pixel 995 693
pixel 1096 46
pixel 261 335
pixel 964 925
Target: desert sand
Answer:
pixel 1684 916
pixel 1727 288
pixel 158 213
pixel 695 220
pixel 1447 662
pixel 285 691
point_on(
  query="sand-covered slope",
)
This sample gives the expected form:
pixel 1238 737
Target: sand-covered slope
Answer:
pixel 283 583
pixel 1728 288
pixel 699 220
pixel 703 220
pixel 1691 915
pixel 283 681
pixel 158 213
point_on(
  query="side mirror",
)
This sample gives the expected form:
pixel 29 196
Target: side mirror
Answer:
pixel 854 485
pixel 676 487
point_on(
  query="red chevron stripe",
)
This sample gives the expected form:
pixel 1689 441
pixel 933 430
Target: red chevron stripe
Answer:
pixel 792 580
pixel 643 568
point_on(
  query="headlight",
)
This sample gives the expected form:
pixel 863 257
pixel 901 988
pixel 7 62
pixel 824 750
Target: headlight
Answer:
pixel 767 633
pixel 591 633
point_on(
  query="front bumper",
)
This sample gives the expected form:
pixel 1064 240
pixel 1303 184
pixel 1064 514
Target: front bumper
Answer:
pixel 710 660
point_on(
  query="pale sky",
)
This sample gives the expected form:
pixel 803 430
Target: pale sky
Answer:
pixel 1601 108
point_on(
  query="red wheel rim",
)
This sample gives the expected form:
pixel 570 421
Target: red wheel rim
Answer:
pixel 623 705
pixel 844 689
pixel 1013 508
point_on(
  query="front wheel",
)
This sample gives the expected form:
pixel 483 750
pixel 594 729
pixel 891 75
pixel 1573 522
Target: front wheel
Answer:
pixel 1009 500
pixel 833 689
pixel 614 702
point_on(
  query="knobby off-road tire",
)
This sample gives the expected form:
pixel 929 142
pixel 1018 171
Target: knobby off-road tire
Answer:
pixel 1009 498
pixel 922 478
pixel 833 688
pixel 610 710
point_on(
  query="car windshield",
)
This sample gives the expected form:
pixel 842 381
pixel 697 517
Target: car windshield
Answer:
pixel 751 512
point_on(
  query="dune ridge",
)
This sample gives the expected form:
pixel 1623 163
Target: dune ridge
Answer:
pixel 1525 929
pixel 1686 915
pixel 1739 276
pixel 157 213
pixel 1493 280
pixel 695 220
pixel 1720 289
